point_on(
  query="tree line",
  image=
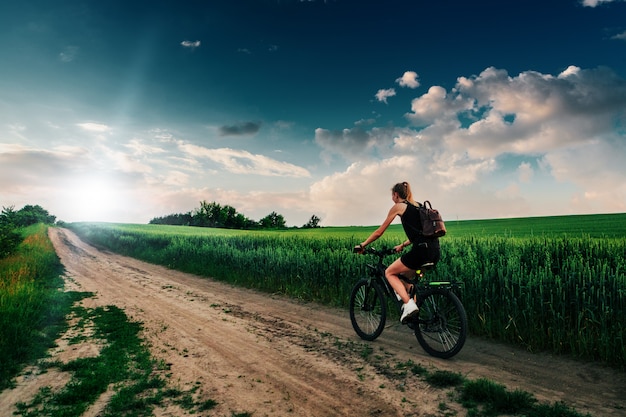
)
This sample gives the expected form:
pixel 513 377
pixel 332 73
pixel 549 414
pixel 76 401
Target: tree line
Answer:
pixel 226 217
pixel 11 220
pixel 207 215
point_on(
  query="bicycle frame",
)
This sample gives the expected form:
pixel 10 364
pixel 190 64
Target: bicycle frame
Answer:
pixel 377 272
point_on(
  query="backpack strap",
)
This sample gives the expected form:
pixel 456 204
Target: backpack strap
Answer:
pixel 417 203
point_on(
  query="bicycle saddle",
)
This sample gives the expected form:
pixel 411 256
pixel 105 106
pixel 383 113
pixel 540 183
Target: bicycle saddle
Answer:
pixel 427 266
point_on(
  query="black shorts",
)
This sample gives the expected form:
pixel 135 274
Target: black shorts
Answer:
pixel 421 253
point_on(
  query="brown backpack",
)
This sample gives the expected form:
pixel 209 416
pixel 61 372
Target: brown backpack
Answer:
pixel 432 223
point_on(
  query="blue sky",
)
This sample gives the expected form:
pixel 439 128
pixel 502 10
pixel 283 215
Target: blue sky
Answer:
pixel 127 110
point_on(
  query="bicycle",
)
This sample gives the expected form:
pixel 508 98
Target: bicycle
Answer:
pixel 441 324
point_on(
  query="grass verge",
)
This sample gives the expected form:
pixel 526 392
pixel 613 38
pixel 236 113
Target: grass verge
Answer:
pixel 123 366
pixel 32 309
pixel 485 398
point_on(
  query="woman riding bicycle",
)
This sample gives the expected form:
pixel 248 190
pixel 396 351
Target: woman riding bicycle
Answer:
pixel 423 250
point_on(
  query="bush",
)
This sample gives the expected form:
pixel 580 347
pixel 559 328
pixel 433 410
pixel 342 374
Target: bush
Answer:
pixel 9 240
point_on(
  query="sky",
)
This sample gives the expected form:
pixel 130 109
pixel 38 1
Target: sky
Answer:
pixel 123 111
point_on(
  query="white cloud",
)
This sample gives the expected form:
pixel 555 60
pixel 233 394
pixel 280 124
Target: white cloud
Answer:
pixel 435 105
pixel 353 144
pixel 597 168
pixel 69 53
pixel 573 124
pixel 620 36
pixel 125 162
pixel 176 178
pixel 190 44
pixel 140 148
pixel 454 170
pixel 409 79
pixel 536 113
pixel 595 3
pixel 16 130
pixel 346 142
pixel 525 172
pixel 244 162
pixel 27 171
pixel 94 127
pixel 383 95
pixel 569 71
pixel 360 193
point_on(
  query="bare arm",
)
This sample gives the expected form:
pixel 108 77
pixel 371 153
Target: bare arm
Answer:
pixel 396 210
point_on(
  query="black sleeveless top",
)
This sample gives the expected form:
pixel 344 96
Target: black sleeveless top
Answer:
pixel 411 223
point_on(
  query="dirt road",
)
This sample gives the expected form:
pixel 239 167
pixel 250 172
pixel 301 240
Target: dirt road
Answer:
pixel 272 356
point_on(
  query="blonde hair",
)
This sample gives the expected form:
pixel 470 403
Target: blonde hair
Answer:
pixel 404 191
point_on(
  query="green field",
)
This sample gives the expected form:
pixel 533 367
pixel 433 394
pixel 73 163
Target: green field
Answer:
pixel 595 226
pixel 553 284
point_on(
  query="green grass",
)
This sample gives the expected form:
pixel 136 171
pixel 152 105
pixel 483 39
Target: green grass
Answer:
pixel 485 398
pixel 32 308
pixel 481 397
pixel 594 225
pixel 574 226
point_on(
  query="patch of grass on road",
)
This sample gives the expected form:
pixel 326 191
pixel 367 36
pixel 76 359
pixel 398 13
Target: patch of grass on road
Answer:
pixel 124 365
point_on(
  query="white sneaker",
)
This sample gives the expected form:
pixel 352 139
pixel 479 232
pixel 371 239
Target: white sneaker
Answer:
pixel 409 310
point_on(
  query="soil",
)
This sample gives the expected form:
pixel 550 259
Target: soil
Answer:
pixel 269 355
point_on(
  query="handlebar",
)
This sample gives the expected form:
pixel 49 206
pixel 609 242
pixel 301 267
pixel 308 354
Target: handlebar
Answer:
pixel 380 253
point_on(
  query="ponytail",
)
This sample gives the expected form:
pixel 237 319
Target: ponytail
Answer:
pixel 404 191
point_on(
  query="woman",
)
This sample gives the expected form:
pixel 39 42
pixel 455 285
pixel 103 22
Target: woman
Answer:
pixel 423 250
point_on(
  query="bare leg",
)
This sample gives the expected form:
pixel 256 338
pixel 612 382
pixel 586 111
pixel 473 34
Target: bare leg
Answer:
pixel 391 273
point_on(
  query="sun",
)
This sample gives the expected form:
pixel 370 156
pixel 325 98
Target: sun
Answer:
pixel 93 199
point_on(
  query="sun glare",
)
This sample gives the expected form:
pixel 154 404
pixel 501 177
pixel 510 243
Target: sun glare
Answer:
pixel 92 200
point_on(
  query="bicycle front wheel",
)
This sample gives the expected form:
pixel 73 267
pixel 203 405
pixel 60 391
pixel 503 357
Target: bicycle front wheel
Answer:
pixel 368 309
pixel 441 328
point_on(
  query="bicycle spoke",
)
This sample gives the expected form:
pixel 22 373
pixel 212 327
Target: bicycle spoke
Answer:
pixel 447 340
pixel 442 324
pixel 367 310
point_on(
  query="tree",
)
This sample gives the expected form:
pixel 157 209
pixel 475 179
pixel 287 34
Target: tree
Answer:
pixel 272 221
pixel 9 238
pixel 215 215
pixel 206 214
pixel 179 219
pixel 26 216
pixel 32 215
pixel 313 222
pixel 8 216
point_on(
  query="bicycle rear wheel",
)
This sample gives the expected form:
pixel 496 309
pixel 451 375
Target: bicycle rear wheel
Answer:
pixel 441 328
pixel 368 309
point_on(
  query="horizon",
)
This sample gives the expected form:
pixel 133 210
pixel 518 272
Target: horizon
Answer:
pixel 396 223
